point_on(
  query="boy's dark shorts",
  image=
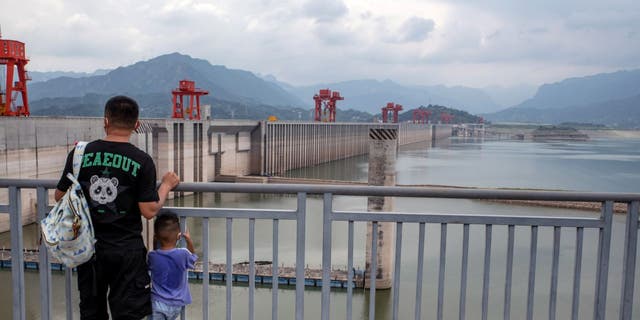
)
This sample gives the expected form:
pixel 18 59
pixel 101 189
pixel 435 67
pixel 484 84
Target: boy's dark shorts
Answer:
pixel 124 276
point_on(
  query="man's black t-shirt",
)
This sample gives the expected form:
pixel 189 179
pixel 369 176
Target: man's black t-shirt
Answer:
pixel 115 176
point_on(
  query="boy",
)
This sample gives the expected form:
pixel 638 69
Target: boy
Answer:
pixel 169 265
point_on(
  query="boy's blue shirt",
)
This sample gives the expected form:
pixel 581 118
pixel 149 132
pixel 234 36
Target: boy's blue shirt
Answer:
pixel 169 275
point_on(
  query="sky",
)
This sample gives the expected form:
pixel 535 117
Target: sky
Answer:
pixel 471 43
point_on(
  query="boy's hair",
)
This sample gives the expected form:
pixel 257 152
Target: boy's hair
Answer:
pixel 166 225
pixel 122 112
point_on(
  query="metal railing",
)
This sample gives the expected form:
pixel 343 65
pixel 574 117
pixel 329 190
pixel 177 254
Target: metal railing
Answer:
pixel 603 224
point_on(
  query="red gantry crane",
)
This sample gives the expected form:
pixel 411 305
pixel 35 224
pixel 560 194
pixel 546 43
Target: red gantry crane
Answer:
pixel 327 99
pixel 187 88
pixel 421 116
pixel 445 117
pixel 391 107
pixel 12 55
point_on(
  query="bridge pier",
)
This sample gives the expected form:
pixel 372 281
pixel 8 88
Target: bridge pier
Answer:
pixel 383 148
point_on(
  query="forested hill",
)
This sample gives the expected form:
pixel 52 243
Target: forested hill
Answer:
pixel 158 76
pixel 459 116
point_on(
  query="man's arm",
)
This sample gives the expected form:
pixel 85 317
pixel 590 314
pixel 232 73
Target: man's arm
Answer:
pixel 64 183
pixel 149 209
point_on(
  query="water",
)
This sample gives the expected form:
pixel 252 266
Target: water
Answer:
pixel 600 165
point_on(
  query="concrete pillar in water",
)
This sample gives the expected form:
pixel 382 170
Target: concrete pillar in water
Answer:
pixel 383 147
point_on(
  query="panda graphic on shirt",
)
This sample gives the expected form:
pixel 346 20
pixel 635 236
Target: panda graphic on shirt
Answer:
pixel 103 190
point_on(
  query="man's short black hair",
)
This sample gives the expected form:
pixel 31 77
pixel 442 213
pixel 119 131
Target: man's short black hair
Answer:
pixel 166 224
pixel 122 112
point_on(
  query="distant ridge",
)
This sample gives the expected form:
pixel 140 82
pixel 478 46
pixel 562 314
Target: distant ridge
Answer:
pixel 611 99
pixel 161 74
pixel 370 95
pixel 585 90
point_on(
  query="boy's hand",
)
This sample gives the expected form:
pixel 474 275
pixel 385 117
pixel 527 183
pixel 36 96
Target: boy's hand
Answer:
pixel 186 235
pixel 187 238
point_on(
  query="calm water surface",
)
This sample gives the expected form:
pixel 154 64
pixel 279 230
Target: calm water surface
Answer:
pixel 599 165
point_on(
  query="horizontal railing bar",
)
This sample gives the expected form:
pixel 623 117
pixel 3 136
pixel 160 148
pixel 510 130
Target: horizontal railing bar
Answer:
pixel 4 209
pixel 468 219
pixel 358 190
pixel 28 183
pixel 268 214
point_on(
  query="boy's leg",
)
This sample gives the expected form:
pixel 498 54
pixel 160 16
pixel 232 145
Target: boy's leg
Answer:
pixel 162 311
pixel 130 285
pixel 93 291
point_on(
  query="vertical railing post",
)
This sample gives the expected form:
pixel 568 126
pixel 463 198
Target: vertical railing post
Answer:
pixel 443 256
pixel 43 257
pixel 396 272
pixel 68 272
pixel 326 256
pixel 252 267
pixel 17 257
pixel 463 272
pixel 506 311
pixel 374 270
pixel 629 261
pixel 553 291
pixel 487 269
pixel 419 272
pixel 577 270
pixel 205 268
pixel 350 273
pixel 602 273
pixel 183 244
pixel 229 266
pixel 532 271
pixel 275 275
pixel 300 250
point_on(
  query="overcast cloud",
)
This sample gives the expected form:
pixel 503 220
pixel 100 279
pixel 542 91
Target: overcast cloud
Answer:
pixel 304 42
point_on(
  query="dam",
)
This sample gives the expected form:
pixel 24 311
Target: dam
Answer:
pixel 198 151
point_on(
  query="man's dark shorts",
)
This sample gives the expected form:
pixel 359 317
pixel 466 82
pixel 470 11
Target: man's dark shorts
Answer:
pixel 124 276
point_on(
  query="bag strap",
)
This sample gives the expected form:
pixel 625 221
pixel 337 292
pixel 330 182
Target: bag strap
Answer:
pixel 78 153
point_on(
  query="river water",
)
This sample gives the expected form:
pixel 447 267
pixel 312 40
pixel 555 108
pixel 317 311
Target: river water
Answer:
pixel 598 165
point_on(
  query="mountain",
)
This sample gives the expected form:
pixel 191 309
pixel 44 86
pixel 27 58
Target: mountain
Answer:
pixel 161 74
pixel 510 96
pixel 155 106
pixel 459 116
pixel 622 113
pixel 39 76
pixel 611 99
pixel 370 95
pixel 586 90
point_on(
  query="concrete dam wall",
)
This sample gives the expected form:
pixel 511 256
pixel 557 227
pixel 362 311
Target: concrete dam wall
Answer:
pixel 36 147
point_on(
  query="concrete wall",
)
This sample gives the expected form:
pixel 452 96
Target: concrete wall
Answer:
pixel 413 132
pixel 292 145
pixel 36 147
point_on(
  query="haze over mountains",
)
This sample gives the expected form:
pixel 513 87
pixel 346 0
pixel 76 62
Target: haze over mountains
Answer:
pixel 603 98
pixel 610 98
pixel 370 95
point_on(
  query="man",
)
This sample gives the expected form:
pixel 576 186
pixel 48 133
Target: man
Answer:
pixel 119 183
